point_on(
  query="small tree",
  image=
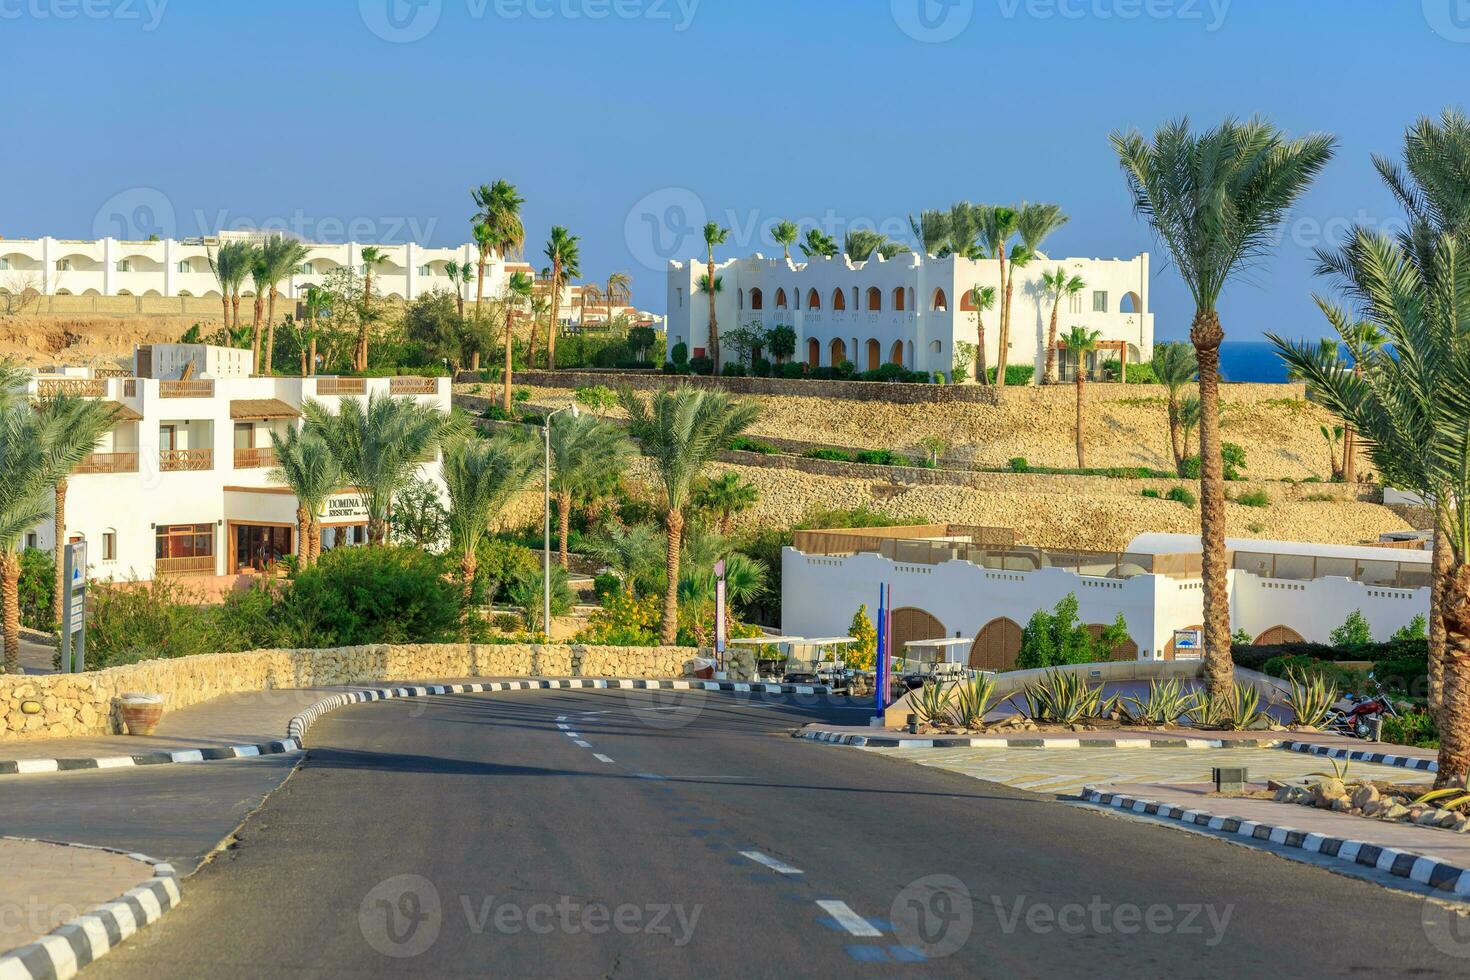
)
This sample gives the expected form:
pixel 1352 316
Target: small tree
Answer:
pixel 864 653
pixel 781 343
pixel 1354 632
pixel 419 516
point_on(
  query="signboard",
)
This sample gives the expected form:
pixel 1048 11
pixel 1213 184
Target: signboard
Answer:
pixel 1188 644
pixel 343 507
pixel 720 626
pixel 74 609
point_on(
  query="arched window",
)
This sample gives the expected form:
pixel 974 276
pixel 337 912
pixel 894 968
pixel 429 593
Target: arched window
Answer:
pixel 757 299
pixel 813 353
pixel 839 301
pixel 1278 634
pixel 875 355
pixel 912 304
pixel 996 646
pixel 941 302
pixel 813 301
pixel 967 302
pixel 895 354
pixel 780 299
pixel 898 303
pixel 1130 303
pixel 740 299
pixel 911 625
pixel 875 299
pixel 837 352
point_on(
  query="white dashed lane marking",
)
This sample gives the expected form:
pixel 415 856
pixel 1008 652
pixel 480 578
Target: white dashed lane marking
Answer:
pixel 601 758
pixel 847 918
pixel 780 867
pixel 585 745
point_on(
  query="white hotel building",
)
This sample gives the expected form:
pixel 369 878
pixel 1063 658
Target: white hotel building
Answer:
pixel 180 485
pixel 979 584
pixel 909 310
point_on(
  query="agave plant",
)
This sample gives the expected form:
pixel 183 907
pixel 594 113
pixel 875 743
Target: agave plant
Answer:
pixel 1065 697
pixel 974 700
pixel 1235 710
pixel 1310 698
pixel 1167 702
pixel 932 703
pixel 1448 798
pixel 1339 771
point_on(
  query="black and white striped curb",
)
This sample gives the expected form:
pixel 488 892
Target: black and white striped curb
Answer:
pixel 299 725
pixel 1403 864
pixel 1048 742
pixel 1358 755
pixel 14 767
pixel 66 949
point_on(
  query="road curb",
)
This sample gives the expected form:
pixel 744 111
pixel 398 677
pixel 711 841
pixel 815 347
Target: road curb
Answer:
pixel 22 767
pixel 1403 864
pixel 1358 755
pixel 65 950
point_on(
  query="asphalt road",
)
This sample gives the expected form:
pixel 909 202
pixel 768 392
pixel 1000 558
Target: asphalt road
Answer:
pixel 472 836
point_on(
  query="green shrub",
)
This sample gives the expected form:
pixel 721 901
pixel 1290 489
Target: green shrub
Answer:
pixel 734 370
pixel 497 413
pixel 521 395
pixel 844 370
pixel 1182 495
pixel 1417 629
pixel 1354 633
pixel 879 457
pixel 377 594
pixel 606 584
pixel 1254 498
pixel 679 356
pixel 835 455
pixel 1059 637
pixel 1189 469
pixel 1153 494
pixel 1018 464
pixel 1016 374
pixel 37 589
pixel 761 368
pixel 1233 457
pixel 745 444
pixel 1416 728
pixel 702 365
pixel 793 370
pixel 528 595
pixel 1142 374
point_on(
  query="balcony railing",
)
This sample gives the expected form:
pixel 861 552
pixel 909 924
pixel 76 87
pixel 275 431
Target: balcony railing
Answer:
pixel 341 386
pixel 110 372
pixel 82 387
pixel 186 389
pixel 1304 568
pixel 412 386
pixel 196 565
pixel 175 460
pixel 255 459
pixel 109 463
pixel 130 388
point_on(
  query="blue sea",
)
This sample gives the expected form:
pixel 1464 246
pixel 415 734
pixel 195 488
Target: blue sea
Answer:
pixel 1251 360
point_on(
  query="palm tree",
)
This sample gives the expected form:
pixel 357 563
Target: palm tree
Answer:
pixel 497 225
pixel 453 270
pixel 259 274
pixel 724 496
pixel 861 244
pixel 1368 336
pixel 481 477
pixel 87 420
pixel 631 552
pixel 306 464
pixel 982 298
pixel 965 222
pixel 378 445
pixel 680 431
pixel 1057 284
pixel 1081 342
pixel 996 228
pixel 704 288
pixel 1034 224
pixel 586 451
pixel 1175 365
pixel 37 449
pixel 565 256
pixel 1215 198
pixel 818 244
pixel 280 256
pixel 931 230
pixel 230 267
pixel 540 307
pixel 371 256
pixel 785 234
pixel 315 301
pixel 519 290
pixel 589 291
pixel 484 243
pixel 619 290
pixel 713 235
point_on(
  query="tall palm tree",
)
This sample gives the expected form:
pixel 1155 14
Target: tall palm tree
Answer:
pixel 931 230
pixel 680 431
pixel 585 452
pixel 1175 365
pixel 280 256
pixel 1370 337
pixel 540 308
pixel 230 265
pixel 458 275
pixel 564 253
pixel 1080 343
pixel 588 292
pixel 497 226
pixel 371 256
pixel 817 244
pixel 316 302
pixel 259 276
pixel 996 228
pixel 1057 285
pixel 1215 198
pixel 713 235
pixel 723 497
pixel 785 234
pixel 88 420
pixel 964 224
pixel 36 450
pixel 982 298
pixel 1034 224
pixel 620 291
pixel 860 245
pixel 481 477
pixel 484 243
pixel 306 464
pixel 631 552
pixel 520 289
pixel 378 445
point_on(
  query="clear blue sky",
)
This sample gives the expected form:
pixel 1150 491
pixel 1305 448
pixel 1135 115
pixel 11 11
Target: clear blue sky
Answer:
pixel 633 116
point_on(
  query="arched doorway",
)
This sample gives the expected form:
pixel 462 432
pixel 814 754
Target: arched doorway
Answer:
pixel 898 300
pixel 839 301
pixel 1127 650
pixel 941 302
pixel 813 353
pixel 813 301
pixel 895 355
pixel 875 355
pixel 875 299
pixel 1131 303
pixel 1169 650
pixel 757 299
pixel 780 299
pixel 838 351
pixel 910 624
pixel 1277 635
pixel 997 645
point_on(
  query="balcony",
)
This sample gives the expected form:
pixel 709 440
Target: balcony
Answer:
pixel 185 460
pixel 255 459
pixel 130 388
pixel 186 389
pixel 341 386
pixel 196 565
pixel 109 463
pixel 81 387
pixel 412 386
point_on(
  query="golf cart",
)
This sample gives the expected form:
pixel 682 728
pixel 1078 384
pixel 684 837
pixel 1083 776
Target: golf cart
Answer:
pixel 815 661
pixel 770 658
pixel 927 660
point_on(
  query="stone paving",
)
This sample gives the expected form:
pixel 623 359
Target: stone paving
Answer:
pixel 1066 771
pixel 44 885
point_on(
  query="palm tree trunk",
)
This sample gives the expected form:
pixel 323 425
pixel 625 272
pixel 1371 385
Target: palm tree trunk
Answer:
pixel 531 353
pixel 1206 334
pixel 555 316
pixel 314 539
pixel 1000 354
pixel 1174 446
pixel 1443 565
pixel 468 565
pixel 259 312
pixel 475 361
pixel 714 327
pixel 312 359
pixel 982 374
pixel 377 530
pixel 235 302
pixel 1050 377
pixel 224 301
pixel 509 336
pixel 480 286
pixel 10 586
pixel 1081 462
pixel 58 552
pixel 303 537
pixel 1454 731
pixel 563 524
pixel 270 334
pixel 1005 327
pixel 675 526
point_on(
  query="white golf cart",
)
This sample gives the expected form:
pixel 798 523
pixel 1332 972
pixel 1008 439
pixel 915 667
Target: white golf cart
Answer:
pixel 771 653
pixel 942 659
pixel 817 661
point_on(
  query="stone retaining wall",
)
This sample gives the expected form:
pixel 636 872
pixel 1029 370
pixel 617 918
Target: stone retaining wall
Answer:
pixel 56 705
pixel 864 391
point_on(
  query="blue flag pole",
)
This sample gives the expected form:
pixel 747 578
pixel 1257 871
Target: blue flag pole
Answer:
pixel 880 676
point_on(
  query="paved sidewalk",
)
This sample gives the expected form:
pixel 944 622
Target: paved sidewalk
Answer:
pixel 43 885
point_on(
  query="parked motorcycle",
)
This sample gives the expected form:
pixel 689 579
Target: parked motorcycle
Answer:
pixel 1362 715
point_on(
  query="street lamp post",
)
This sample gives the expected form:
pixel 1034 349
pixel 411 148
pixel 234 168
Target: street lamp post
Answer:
pixel 546 523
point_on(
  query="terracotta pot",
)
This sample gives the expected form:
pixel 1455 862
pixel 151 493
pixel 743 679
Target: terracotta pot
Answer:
pixel 140 713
